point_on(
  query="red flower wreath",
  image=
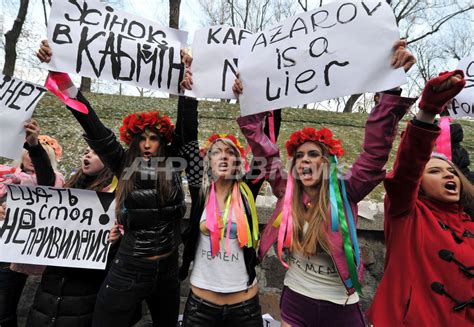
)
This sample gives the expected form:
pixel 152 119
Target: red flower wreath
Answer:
pixel 215 137
pixel 309 134
pixel 140 122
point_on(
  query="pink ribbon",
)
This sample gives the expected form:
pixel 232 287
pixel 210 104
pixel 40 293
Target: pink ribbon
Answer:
pixel 56 83
pixel 443 142
pixel 285 233
pixel 271 126
pixel 212 221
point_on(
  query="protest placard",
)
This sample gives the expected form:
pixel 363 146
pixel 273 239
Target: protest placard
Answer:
pixel 92 39
pixel 463 104
pixel 215 61
pixel 338 49
pixel 58 227
pixel 18 100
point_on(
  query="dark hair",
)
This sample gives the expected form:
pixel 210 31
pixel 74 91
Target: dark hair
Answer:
pixel 125 186
pixel 101 181
pixel 466 198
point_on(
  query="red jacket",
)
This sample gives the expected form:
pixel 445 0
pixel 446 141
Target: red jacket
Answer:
pixel 416 230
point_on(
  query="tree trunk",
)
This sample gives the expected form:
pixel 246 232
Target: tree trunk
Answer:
pixel 11 39
pixel 86 83
pixel 174 22
pixel 174 13
pixel 351 102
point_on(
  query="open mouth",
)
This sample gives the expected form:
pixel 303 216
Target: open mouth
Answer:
pixel 147 154
pixel 450 186
pixel 86 163
pixel 223 165
pixel 306 172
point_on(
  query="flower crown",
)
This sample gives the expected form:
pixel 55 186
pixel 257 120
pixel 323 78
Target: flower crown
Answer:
pixel 309 134
pixel 53 143
pixel 214 137
pixel 140 122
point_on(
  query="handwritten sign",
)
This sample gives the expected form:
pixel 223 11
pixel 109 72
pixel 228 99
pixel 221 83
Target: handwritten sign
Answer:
pixel 336 50
pixel 18 100
pixel 463 104
pixel 95 40
pixel 215 61
pixel 58 227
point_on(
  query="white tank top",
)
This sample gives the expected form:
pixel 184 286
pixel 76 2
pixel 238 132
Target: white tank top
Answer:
pixel 224 273
pixel 316 277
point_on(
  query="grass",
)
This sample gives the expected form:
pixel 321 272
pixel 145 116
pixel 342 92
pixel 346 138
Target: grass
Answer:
pixel 214 117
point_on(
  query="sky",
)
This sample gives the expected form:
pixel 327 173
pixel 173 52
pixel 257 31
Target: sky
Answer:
pixel 192 18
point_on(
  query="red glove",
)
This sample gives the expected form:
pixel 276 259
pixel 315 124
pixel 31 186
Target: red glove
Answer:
pixel 433 102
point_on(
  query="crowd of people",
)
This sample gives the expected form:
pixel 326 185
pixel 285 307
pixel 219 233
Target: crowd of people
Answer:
pixel 429 235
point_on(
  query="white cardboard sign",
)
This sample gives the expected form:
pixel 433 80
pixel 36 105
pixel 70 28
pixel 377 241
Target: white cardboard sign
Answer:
pixel 338 49
pixel 215 61
pixel 57 227
pixel 18 100
pixel 94 40
pixel 463 104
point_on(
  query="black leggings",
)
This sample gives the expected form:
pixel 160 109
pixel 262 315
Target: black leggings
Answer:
pixel 132 280
pixel 11 286
pixel 201 313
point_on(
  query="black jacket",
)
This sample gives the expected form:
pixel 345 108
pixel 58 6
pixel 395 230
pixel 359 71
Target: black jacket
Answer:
pixel 459 154
pixel 150 221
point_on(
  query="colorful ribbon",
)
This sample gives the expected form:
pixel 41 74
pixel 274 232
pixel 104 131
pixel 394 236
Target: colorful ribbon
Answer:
pixel 55 84
pixel 212 220
pixel 347 244
pixel 271 126
pixel 285 233
pixel 253 211
pixel 443 142
pixel 219 228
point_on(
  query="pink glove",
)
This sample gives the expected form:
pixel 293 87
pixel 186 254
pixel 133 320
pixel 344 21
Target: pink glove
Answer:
pixel 433 102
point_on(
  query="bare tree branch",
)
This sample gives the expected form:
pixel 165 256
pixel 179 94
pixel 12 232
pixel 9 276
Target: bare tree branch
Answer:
pixel 436 26
pixel 11 39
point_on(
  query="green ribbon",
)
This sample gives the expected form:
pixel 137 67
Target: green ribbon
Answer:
pixel 345 230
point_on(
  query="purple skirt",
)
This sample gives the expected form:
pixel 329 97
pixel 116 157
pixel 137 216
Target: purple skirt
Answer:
pixel 302 311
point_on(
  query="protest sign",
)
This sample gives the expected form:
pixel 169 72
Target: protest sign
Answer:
pixel 95 40
pixel 463 104
pixel 18 100
pixel 57 227
pixel 215 61
pixel 338 49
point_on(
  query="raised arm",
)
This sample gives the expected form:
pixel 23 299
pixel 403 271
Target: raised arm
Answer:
pixel 266 155
pixel 101 139
pixel 380 131
pixel 185 140
pixel 39 158
pixel 45 174
pixel 417 144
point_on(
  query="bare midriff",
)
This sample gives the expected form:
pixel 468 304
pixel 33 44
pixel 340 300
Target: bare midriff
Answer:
pixel 225 298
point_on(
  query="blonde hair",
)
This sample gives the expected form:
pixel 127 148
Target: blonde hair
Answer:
pixel 207 171
pixel 49 151
pixel 317 214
